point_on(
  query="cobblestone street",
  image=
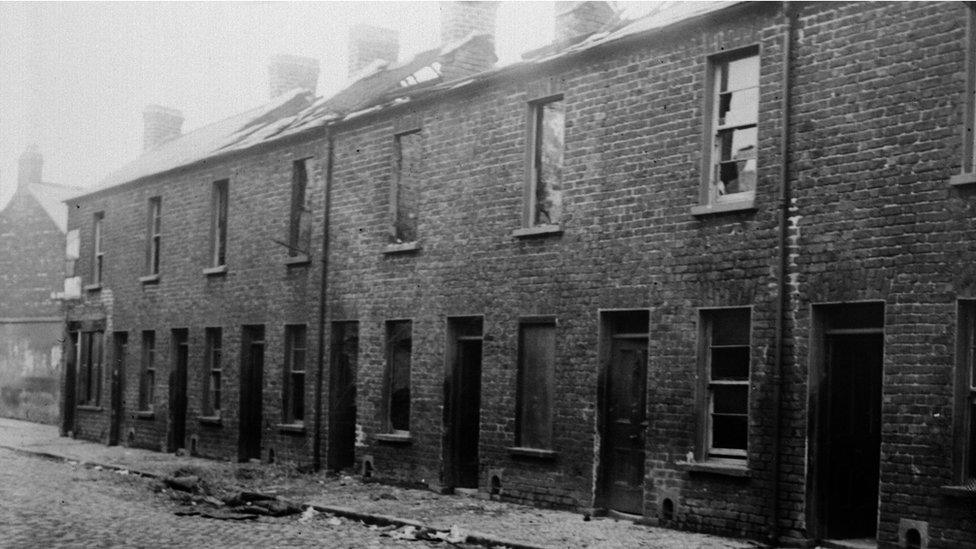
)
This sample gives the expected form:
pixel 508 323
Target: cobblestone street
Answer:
pixel 55 504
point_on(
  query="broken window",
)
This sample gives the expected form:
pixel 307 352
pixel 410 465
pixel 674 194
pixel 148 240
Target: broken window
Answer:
pixel 965 426
pixel 155 235
pixel 726 353
pixel 98 255
pixel 90 373
pixel 218 225
pixel 547 138
pixel 147 378
pixel 294 395
pixel 735 105
pixel 406 191
pixel 300 218
pixel 212 379
pixel 537 356
pixel 399 346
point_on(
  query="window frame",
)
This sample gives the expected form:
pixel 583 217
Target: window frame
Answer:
pixel 213 371
pixel 147 372
pixel 296 340
pixel 220 195
pixel 154 236
pixel 91 368
pixel 709 200
pixel 964 425
pixel 705 450
pixel 388 375
pixel 967 170
pixel 550 373
pixel 534 119
pixel 395 188
pixel 300 215
pixel 98 253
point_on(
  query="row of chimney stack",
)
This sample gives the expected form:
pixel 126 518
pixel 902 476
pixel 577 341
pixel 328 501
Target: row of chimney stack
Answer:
pixel 368 44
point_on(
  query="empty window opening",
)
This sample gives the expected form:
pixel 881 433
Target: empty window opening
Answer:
pixel 406 190
pixel 300 218
pixel 399 347
pixel 537 357
pixel 155 235
pixel 218 224
pixel 547 138
pixel 295 352
pixel 735 115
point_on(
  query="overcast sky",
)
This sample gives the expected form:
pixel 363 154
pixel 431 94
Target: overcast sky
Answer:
pixel 74 77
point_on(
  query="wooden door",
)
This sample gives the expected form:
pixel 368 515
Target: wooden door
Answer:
pixel 252 379
pixel 343 364
pixel 70 388
pixel 119 350
pixel 853 438
pixel 466 411
pixel 626 423
pixel 177 390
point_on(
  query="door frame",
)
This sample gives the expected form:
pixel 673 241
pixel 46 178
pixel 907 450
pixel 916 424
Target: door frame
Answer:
pixel 449 472
pixel 605 338
pixel 120 352
pixel 178 383
pixel 247 374
pixel 333 451
pixel 818 407
pixel 72 343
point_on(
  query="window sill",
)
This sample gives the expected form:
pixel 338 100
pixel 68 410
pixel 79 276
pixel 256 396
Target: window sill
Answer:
pixel 297 260
pixel 149 279
pixel 961 491
pixel 92 288
pixel 538 230
pixel 403 247
pixel 394 438
pixel 536 453
pixel 294 428
pixel 215 271
pixel 737 205
pixel 210 420
pixel 90 408
pixel 723 468
pixel 963 179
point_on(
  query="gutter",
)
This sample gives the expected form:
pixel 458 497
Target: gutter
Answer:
pixel 317 438
pixel 782 295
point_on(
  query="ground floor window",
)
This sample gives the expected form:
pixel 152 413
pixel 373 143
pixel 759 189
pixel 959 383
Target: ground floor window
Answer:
pixel 90 371
pixel 213 372
pixel 147 376
pixel 399 347
pixel 294 383
pixel 724 359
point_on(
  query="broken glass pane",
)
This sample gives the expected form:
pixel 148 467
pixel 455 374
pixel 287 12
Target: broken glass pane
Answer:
pixel 736 151
pixel 729 432
pixel 740 74
pixel 550 137
pixel 737 108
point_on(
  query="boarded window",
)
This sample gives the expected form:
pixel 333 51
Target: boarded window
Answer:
pixel 147 379
pixel 300 217
pixel 218 225
pixel 155 235
pixel 406 190
pixel 548 132
pixel 399 346
pixel 90 373
pixel 726 354
pixel 98 255
pixel 537 356
pixel 213 372
pixel 735 114
pixel 295 355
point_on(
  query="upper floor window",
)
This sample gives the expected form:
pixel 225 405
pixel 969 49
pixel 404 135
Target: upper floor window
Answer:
pixel 968 171
pixel 98 255
pixel 547 136
pixel 731 155
pixel 154 235
pixel 300 217
pixel 725 357
pixel 965 408
pixel 405 196
pixel 218 225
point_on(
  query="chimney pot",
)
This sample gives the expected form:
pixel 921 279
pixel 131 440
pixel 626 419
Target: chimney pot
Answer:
pixel 160 124
pixel 368 43
pixel 577 19
pixel 30 166
pixel 287 72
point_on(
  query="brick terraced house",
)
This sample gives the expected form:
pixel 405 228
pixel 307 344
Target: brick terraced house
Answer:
pixel 713 269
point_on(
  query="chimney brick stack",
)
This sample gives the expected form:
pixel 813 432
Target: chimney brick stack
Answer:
pixel 30 165
pixel 577 19
pixel 287 72
pixel 459 20
pixel 160 124
pixel 368 43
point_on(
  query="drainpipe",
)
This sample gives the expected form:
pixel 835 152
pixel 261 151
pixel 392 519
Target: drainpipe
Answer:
pixel 317 439
pixel 782 296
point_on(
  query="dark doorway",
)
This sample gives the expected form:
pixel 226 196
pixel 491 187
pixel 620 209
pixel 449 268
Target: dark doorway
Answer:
pixel 70 375
pixel 850 436
pixel 343 364
pixel 177 390
pixel 252 380
pixel 120 345
pixel 624 410
pixel 463 409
